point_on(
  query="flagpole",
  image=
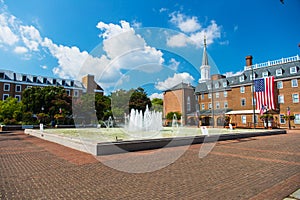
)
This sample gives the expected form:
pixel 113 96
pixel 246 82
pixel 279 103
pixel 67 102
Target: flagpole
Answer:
pixel 253 100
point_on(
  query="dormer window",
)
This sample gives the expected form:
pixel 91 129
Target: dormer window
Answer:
pixel 293 70
pixel 216 85
pixel 278 72
pixel 265 74
pixel 225 84
pixel 208 87
pixel 242 78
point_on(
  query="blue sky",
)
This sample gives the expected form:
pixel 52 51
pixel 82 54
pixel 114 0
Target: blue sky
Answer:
pixel 154 44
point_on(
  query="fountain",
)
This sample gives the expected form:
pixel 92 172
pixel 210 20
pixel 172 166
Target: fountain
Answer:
pixel 174 121
pixel 151 121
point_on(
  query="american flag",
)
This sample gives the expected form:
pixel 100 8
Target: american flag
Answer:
pixel 264 93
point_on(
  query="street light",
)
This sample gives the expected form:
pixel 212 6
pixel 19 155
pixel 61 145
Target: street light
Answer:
pixel 288 116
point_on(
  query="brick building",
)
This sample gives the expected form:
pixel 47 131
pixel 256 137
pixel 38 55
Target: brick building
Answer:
pixel 220 97
pixel 181 98
pixel 12 84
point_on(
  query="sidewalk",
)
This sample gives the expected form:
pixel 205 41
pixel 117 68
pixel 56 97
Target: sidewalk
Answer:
pixel 266 167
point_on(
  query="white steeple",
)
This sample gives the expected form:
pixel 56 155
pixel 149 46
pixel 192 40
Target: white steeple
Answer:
pixel 205 68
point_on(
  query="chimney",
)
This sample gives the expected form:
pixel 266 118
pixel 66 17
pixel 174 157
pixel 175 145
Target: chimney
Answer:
pixel 248 60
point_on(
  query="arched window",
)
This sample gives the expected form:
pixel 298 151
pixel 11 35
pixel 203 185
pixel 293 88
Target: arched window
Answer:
pixel 188 104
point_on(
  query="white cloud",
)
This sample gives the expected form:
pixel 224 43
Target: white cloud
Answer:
pixel 7 36
pixel 172 81
pixel 163 10
pixel 235 28
pixel 156 95
pixel 31 37
pixel 184 23
pixel 173 64
pixel 44 66
pixel 194 31
pixel 20 50
pixel 229 74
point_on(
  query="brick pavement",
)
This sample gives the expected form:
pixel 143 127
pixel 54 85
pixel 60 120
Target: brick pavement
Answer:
pixel 266 167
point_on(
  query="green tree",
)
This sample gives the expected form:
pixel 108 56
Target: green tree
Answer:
pixel 139 100
pixel 10 111
pixel 157 104
pixel 170 115
pixel 120 102
pixel 103 107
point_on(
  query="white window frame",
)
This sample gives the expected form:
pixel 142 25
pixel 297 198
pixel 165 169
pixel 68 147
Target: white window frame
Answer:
pixel 209 105
pixel 244 119
pixel 293 70
pixel 295 98
pixel 242 89
pixel 208 87
pixel 68 92
pixel 209 95
pixel 281 99
pixel 217 105
pixel 265 74
pixel 225 104
pixel 17 96
pixel 6 87
pixel 188 104
pixel 217 85
pixel 5 96
pixel 225 84
pixel 242 78
pixel 18 88
pixel 281 119
pixel 278 72
pixel 297 119
pixel 294 82
pixel 279 84
pixel 217 95
pixel 243 100
pixel 202 96
pixel 75 93
pixel 202 106
pixel 225 94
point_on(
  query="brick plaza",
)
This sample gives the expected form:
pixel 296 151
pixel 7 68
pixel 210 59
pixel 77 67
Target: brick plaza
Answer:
pixel 266 167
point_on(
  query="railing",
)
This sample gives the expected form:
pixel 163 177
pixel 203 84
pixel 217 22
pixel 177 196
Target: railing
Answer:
pixel 273 62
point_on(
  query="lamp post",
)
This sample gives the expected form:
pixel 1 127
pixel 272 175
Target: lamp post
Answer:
pixel 288 116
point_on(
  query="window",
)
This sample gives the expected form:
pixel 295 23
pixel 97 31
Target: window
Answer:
pixel 242 78
pixel 68 92
pixel 295 98
pixel 278 72
pixel 217 105
pixel 202 106
pixel 294 82
pixel 265 74
pixel 243 102
pixel 225 105
pixel 281 119
pixel 297 119
pixel 225 84
pixel 216 85
pixel 225 93
pixel 18 97
pixel 209 106
pixel 242 89
pixel 5 96
pixel 188 104
pixel 281 99
pixel 244 119
pixel 208 87
pixel 29 86
pixel 209 95
pixel 279 84
pixel 293 70
pixel 76 94
pixel 217 95
pixel 18 88
pixel 202 96
pixel 6 87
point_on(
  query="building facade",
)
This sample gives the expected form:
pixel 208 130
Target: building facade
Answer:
pixel 234 96
pixel 12 84
pixel 181 98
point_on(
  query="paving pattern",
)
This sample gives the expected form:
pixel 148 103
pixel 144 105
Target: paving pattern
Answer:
pixel 266 167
